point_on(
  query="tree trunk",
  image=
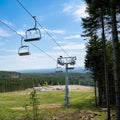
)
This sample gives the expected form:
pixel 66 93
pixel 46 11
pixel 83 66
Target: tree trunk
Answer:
pixel 95 91
pixel 105 65
pixel 116 58
pixel 100 93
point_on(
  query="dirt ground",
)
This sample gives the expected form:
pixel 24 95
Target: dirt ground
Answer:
pixel 73 115
pixel 69 115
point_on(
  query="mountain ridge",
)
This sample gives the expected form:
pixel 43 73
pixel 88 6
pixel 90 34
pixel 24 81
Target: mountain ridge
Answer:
pixel 52 70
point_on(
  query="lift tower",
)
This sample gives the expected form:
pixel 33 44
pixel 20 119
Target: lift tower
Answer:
pixel 69 63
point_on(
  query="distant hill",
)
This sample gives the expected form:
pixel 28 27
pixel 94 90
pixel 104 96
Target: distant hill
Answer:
pixel 8 74
pixel 52 70
pixel 12 81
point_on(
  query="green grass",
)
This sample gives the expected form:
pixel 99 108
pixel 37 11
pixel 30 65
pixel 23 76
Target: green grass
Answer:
pixel 11 104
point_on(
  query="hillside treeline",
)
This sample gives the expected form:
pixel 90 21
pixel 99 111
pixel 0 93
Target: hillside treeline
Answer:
pixel 11 81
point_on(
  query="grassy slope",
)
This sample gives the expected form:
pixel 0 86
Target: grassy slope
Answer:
pixel 11 103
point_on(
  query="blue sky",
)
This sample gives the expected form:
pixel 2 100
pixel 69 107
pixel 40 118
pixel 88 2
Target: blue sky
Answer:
pixel 60 18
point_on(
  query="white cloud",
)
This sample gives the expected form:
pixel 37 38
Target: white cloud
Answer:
pixel 7 50
pixel 57 31
pixel 60 42
pixel 1 43
pixel 80 12
pixel 33 61
pixel 72 37
pixel 4 33
pixel 77 11
pixel 68 8
pixel 72 46
pixel 40 60
pixel 21 32
pixel 7 22
pixel 53 31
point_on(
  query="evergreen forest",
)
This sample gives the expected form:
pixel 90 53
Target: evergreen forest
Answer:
pixel 101 28
pixel 13 81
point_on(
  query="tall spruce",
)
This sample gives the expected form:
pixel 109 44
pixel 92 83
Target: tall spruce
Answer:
pixel 114 6
pixel 96 10
pixel 94 62
pixel 112 17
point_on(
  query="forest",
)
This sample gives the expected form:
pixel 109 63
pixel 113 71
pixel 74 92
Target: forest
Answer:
pixel 13 81
pixel 102 30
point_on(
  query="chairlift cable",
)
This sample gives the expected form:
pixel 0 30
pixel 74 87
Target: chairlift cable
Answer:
pixel 42 27
pixel 52 38
pixel 25 8
pixel 11 28
pixel 30 43
pixel 43 51
pixel 23 37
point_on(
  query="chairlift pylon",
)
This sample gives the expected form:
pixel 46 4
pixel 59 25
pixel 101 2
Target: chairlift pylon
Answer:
pixel 23 50
pixel 33 34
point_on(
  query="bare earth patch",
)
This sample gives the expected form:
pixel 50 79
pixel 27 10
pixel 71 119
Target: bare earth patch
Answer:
pixel 74 87
pixel 72 115
pixel 44 106
pixel 51 106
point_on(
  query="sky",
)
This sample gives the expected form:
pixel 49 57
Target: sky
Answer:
pixel 60 18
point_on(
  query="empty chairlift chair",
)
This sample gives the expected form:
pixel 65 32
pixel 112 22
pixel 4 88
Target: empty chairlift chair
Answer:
pixel 58 70
pixel 23 50
pixel 72 63
pixel 33 34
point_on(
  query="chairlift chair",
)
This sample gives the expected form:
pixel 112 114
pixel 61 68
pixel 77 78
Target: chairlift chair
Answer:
pixel 73 61
pixel 23 50
pixel 70 68
pixel 58 70
pixel 33 34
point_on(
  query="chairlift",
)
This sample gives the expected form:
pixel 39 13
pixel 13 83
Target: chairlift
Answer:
pixel 23 50
pixel 73 61
pixel 70 68
pixel 33 34
pixel 58 70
